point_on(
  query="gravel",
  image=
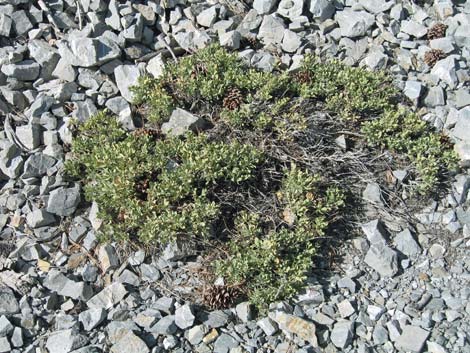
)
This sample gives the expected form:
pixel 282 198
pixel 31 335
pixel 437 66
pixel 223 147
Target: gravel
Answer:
pixel 401 286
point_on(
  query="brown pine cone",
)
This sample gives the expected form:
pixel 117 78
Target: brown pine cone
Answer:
pixel 433 56
pixel 146 132
pixel 437 31
pixel 221 297
pixel 303 77
pixel 199 69
pixel 233 99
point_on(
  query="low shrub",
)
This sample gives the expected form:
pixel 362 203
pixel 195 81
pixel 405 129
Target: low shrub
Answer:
pixel 260 179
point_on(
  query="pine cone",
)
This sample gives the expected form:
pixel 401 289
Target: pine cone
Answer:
pixel 303 77
pixel 146 132
pixel 433 56
pixel 199 69
pixel 233 99
pixel 437 31
pixel 221 297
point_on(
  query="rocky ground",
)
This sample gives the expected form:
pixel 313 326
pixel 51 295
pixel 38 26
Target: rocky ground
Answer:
pixel 400 287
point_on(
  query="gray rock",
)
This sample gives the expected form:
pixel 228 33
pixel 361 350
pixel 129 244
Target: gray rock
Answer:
pixel 63 201
pixel 29 135
pixel 354 23
pixel 322 9
pixel 412 339
pixel 44 55
pixel 437 251
pixel 413 90
pixel 180 122
pixel 462 98
pixel 5 346
pixel 264 6
pixel 8 302
pixel 271 30
pixel 290 8
pixel 196 334
pixel 375 232
pixel 342 334
pixel 323 319
pixel 268 326
pixel 376 60
pixel 444 8
pixel 170 342
pixel 394 330
pixel 11 161
pixel 17 337
pixel 207 17
pixel 5 25
pixel 165 326
pixel 129 277
pixel 165 304
pixel 376 6
pixel 291 41
pixel 91 318
pixel 380 335
pixel 84 110
pixel 108 297
pixel 346 309
pixel 108 258
pixel 406 243
pixel 113 19
pixel 39 218
pixel 216 319
pixel 87 52
pixel 434 347
pixel 118 329
pixel 224 343
pixel 245 311
pixel 130 343
pixel 264 61
pixel 133 33
pixel 413 28
pixel 435 97
pixel 62 285
pixel 27 70
pixel 462 125
pixel 64 70
pixel 41 105
pixel 230 39
pixel 373 194
pixel 383 260
pixel 445 44
pixel 6 328
pixel 375 312
pixel 310 296
pixel 156 65
pixel 21 22
pixel 446 70
pixel 150 272
pixel 184 317
pixel 126 77
pixel 306 330
pixel 65 341
pixel 348 283
pixel 193 40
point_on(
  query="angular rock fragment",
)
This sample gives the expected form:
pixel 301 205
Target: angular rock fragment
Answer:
pixel 354 23
pixel 412 339
pixel 108 297
pixel 180 122
pixel 383 260
pixel 64 201
pixel 296 325
pixel 126 77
